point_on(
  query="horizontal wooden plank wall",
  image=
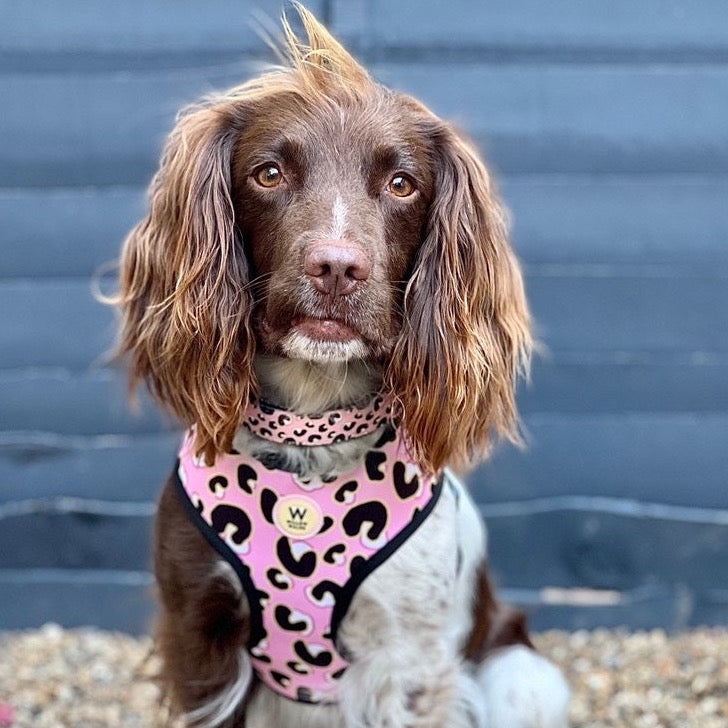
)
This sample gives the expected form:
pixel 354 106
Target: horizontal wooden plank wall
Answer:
pixel 605 124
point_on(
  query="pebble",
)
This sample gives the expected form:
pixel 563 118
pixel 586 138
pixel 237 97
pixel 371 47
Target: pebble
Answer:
pixel 55 678
pixel 645 679
pixel 85 678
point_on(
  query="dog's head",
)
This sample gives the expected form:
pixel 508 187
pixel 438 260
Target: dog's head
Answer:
pixel 312 213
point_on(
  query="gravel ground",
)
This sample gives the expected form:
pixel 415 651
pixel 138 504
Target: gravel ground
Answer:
pixel 51 678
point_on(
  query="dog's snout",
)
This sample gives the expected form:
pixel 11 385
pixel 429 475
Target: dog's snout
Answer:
pixel 336 266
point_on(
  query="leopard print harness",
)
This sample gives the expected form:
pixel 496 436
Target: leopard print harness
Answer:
pixel 302 547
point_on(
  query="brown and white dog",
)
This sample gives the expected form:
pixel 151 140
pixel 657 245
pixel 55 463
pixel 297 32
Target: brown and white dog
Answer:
pixel 315 239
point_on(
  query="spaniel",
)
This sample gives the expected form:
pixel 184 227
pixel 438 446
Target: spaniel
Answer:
pixel 324 293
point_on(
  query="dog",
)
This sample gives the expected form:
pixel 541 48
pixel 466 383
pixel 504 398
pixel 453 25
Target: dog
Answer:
pixel 324 293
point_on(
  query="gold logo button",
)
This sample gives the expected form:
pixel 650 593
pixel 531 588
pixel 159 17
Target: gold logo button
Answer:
pixel 297 516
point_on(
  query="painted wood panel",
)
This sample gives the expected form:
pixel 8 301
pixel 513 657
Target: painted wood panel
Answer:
pixel 579 549
pixel 104 470
pixel 672 458
pixel 136 26
pixel 100 129
pixel 521 26
pixel 76 598
pixel 95 403
pixel 579 118
pixel 37 26
pixel 648 220
pixel 83 403
pixel 76 541
pixel 53 323
pixel 108 128
pixel 592 549
pixel 57 323
pixel 606 125
pixel 51 232
pixel 678 459
pixel 124 601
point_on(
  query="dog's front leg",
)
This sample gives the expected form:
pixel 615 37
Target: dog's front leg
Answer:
pixel 384 694
pixel 202 625
pixel 403 673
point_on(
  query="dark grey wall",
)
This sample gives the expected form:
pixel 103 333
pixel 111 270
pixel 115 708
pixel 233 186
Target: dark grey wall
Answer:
pixel 607 125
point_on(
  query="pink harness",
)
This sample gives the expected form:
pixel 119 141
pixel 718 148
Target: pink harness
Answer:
pixel 302 547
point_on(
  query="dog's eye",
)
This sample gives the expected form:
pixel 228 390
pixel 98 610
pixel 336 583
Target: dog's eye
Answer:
pixel 401 186
pixel 269 175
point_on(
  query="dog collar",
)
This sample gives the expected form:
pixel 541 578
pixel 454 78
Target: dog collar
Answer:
pixel 289 428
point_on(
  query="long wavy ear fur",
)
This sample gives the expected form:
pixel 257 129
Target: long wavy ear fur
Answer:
pixel 183 294
pixel 466 334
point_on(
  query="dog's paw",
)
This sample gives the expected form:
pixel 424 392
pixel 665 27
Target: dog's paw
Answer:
pixel 522 689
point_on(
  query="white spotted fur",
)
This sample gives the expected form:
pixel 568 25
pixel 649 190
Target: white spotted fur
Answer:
pixel 339 212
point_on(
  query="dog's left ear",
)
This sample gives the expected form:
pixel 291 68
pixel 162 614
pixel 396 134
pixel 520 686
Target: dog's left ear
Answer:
pixel 466 333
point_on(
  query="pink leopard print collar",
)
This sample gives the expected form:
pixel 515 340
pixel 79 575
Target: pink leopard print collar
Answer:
pixel 288 428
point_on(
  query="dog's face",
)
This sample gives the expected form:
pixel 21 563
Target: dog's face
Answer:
pixel 313 214
pixel 332 204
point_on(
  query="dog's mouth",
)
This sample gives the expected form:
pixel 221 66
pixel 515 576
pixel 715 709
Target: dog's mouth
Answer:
pixel 297 324
pixel 314 339
pixel 323 340
pixel 324 329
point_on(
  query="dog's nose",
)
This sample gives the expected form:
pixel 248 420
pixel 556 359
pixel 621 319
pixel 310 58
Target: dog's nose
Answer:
pixel 336 266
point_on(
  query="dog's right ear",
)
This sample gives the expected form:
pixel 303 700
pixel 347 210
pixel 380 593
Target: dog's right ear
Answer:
pixel 184 293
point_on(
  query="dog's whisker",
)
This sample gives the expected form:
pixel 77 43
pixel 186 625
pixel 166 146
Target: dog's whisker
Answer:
pixel 257 282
